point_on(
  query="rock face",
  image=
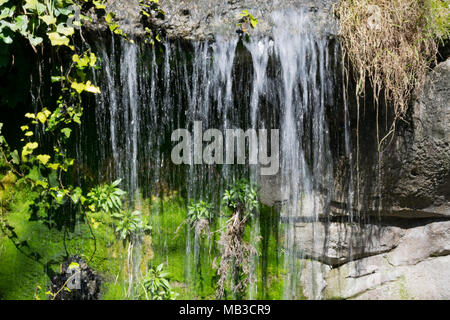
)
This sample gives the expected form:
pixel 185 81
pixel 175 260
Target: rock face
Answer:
pixel 416 269
pixel 337 243
pixel 401 254
pixel 202 19
pixel 407 256
pixel 82 282
pixel 417 174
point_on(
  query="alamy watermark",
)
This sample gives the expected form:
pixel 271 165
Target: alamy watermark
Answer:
pixel 227 147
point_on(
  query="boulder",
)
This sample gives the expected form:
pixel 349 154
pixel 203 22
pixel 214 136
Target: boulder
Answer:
pixel 337 243
pixel 374 278
pixel 416 269
pixel 312 277
pixel 427 280
pixel 419 243
pixel 77 281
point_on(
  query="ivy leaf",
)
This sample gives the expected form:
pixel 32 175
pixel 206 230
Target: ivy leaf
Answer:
pixel 7 12
pixel 35 5
pixel 15 157
pixel 49 20
pixel 109 17
pixel 91 88
pixel 73 265
pixel 92 60
pixel 66 132
pixel 22 24
pixel 98 4
pixel 53 166
pixel 79 87
pixel 67 31
pixel 35 41
pixel 41 117
pixel 244 13
pixel 43 158
pixel 57 40
pixel 6 39
pixel 81 62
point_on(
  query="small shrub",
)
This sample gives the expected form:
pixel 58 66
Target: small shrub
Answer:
pixel 156 286
pixel 242 200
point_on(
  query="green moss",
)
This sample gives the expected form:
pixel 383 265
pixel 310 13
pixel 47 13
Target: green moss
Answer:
pixel 172 243
pixel 32 264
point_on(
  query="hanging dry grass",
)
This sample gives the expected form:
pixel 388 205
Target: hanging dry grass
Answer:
pixel 235 257
pixel 392 43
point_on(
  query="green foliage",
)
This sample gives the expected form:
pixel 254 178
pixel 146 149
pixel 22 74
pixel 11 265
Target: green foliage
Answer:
pixel 241 196
pixel 200 210
pixel 37 20
pixel 46 169
pixel 242 200
pixel 51 20
pixel 114 27
pixel 151 9
pixel 247 20
pixel 438 19
pixel 156 286
pixel 130 223
pixel 106 197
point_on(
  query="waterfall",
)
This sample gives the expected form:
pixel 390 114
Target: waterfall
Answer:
pixel 285 82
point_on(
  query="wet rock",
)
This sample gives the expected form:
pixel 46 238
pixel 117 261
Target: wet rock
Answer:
pixel 272 192
pixel 415 166
pixel 416 269
pixel 81 281
pixel 427 280
pixel 202 19
pixel 418 174
pixel 374 278
pixel 420 243
pixel 359 276
pixel 337 243
pixel 312 277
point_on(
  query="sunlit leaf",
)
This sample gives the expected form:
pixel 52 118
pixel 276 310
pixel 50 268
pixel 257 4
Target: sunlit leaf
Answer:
pixel 73 265
pixel 67 31
pixel 43 158
pixel 48 19
pixel 41 117
pixel 57 40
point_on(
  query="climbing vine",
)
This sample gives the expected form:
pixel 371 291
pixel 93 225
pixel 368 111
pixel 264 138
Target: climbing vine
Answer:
pixel 51 26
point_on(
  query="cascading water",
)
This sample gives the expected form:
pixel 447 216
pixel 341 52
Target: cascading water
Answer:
pixel 282 83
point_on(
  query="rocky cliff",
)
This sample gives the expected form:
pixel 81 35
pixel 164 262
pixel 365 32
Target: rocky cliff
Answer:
pixel 401 249
pixel 403 252
pixel 203 19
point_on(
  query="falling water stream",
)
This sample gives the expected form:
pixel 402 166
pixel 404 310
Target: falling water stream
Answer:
pixel 285 82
